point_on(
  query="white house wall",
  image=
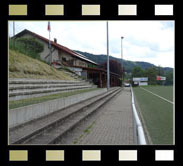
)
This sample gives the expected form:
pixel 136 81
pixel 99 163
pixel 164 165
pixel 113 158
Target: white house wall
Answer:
pixel 80 63
pixel 65 55
pixel 68 57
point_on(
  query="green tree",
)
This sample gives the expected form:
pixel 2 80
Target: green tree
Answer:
pixel 151 73
pixel 169 78
pixel 137 72
pixel 30 44
pixel 160 71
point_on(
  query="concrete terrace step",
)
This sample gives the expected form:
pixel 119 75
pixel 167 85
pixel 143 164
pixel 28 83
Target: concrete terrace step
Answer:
pixel 22 88
pixel 25 114
pixel 46 90
pixel 41 81
pixel 50 129
pixel 13 87
pixel 43 92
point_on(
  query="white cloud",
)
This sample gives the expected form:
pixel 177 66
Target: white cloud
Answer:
pixel 150 41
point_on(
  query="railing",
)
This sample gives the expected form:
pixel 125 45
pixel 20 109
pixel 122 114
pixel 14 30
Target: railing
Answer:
pixel 138 129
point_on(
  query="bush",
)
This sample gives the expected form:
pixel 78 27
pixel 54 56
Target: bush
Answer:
pixel 31 44
pixel 28 46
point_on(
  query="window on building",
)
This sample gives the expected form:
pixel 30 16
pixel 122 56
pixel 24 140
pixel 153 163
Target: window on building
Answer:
pixel 64 59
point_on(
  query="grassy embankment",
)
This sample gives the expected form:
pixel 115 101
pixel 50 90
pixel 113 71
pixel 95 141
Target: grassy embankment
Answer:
pixel 157 113
pixel 23 66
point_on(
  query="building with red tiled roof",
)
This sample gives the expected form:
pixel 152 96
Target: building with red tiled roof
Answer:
pixel 75 61
pixel 59 52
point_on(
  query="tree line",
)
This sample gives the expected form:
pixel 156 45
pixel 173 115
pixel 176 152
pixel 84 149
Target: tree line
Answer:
pixel 152 73
pixel 137 71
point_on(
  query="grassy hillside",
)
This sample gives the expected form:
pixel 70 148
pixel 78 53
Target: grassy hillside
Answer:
pixel 129 65
pixel 22 66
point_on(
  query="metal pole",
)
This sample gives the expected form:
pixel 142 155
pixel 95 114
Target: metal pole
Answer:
pixel 108 70
pixel 122 58
pixel 50 46
pixel 13 28
pixel 50 41
pixel 13 34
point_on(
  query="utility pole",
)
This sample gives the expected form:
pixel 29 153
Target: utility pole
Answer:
pixel 13 28
pixel 13 34
pixel 122 58
pixel 108 70
pixel 49 29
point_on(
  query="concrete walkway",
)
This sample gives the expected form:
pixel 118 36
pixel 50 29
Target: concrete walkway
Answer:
pixel 113 125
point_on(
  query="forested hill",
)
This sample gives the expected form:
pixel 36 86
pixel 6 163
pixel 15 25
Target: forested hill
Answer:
pixel 129 65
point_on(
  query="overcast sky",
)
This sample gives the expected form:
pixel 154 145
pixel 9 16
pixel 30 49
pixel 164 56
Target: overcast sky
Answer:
pixel 148 41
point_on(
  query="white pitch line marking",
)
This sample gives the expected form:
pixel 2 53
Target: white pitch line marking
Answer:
pixel 158 96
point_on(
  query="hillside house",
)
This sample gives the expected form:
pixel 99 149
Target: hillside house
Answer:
pixel 62 55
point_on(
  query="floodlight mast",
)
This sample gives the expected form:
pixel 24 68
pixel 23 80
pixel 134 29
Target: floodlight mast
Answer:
pixel 122 58
pixel 108 70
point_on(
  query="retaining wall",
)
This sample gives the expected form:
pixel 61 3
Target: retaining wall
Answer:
pixel 25 114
